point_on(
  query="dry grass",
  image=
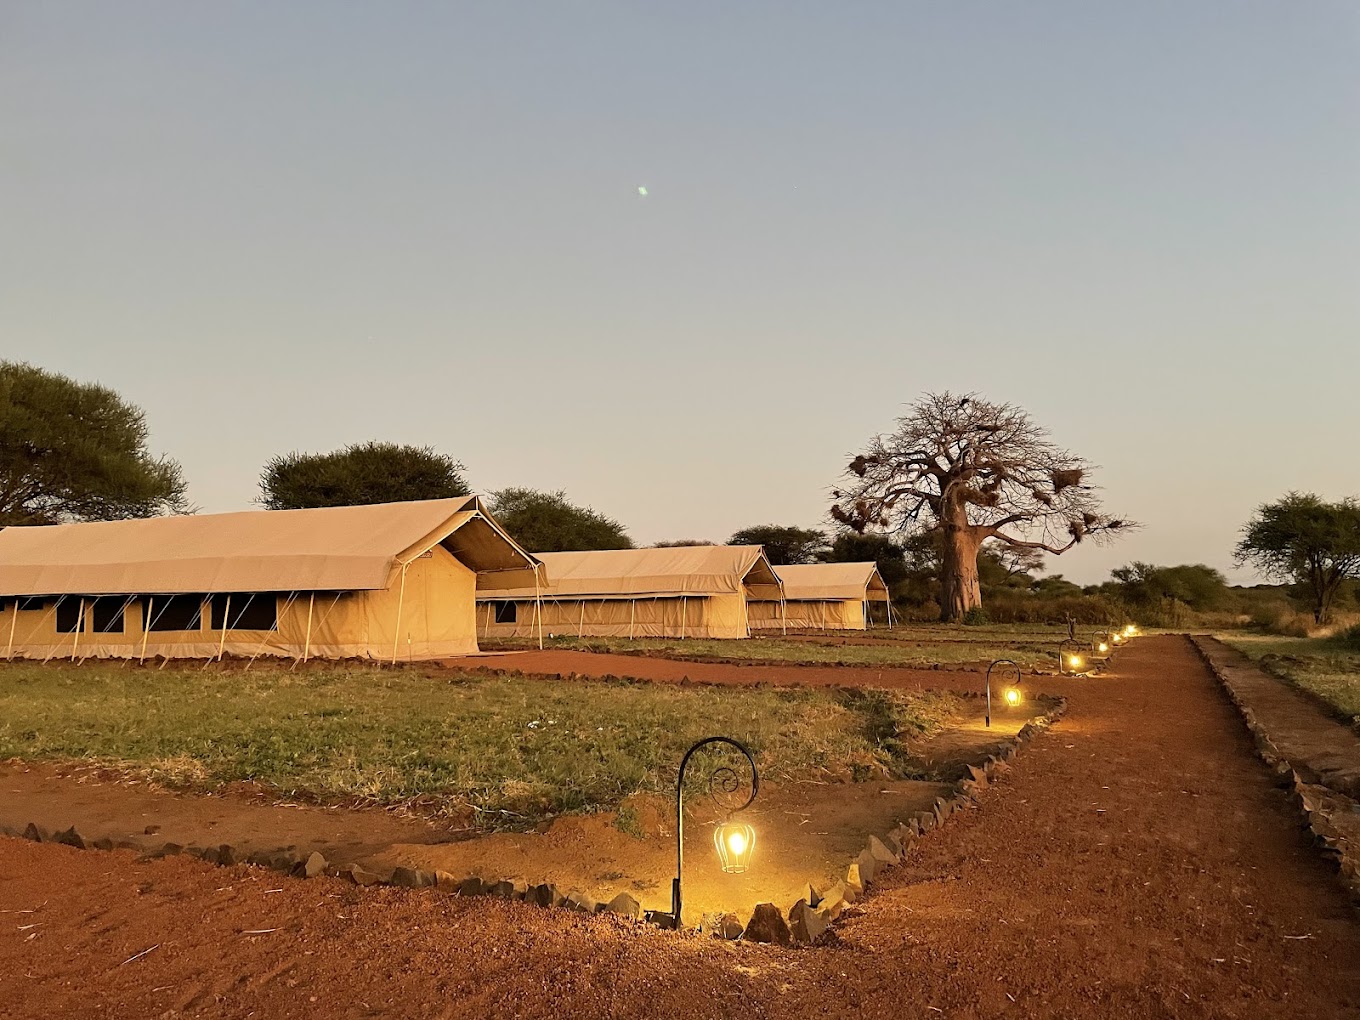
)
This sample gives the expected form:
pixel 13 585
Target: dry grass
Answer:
pixel 507 749
pixel 1328 667
pixel 918 646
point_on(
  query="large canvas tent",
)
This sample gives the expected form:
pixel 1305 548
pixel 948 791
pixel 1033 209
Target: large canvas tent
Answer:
pixel 686 592
pixel 823 596
pixel 386 581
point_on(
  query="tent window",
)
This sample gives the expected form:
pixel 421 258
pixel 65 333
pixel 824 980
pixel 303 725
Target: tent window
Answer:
pixel 31 603
pixel 505 612
pixel 249 611
pixel 106 614
pixel 68 615
pixel 174 612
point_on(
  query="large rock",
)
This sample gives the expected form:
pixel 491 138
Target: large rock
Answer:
pixel 70 838
pixel 472 886
pixel 502 890
pixel 411 878
pixel 625 905
pixel 314 865
pixel 362 876
pixel 577 900
pixel 868 867
pixel 767 924
pixel 722 925
pixel 806 924
pixel 543 895
pixel 880 852
pixel 226 855
pixel 854 881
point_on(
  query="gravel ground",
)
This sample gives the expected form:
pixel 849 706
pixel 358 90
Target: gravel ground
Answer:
pixel 1136 862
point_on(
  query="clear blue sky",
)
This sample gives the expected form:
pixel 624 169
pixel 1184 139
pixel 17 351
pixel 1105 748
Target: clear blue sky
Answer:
pixel 294 226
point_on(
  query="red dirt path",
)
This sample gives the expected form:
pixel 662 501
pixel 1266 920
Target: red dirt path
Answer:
pixel 1137 862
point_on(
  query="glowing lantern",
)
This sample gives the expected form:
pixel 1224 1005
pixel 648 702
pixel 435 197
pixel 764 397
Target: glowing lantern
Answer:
pixel 735 843
pixel 1013 696
pixel 1074 662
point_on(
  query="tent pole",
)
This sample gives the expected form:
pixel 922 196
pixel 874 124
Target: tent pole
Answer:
pixel 396 637
pixel 14 620
pixel 538 609
pixel 146 627
pixel 226 618
pixel 684 603
pixel 581 621
pixel 783 617
pixel 632 612
pixel 311 604
pixel 80 623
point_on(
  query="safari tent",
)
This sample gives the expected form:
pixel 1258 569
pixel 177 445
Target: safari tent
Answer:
pixel 823 596
pixel 684 592
pixel 387 581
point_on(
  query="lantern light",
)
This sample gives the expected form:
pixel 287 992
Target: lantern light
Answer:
pixel 1013 696
pixel 1074 661
pixel 1103 647
pixel 735 842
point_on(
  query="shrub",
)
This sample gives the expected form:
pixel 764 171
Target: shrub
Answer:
pixel 976 617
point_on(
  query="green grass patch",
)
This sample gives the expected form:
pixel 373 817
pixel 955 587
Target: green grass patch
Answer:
pixel 914 647
pixel 1326 667
pixel 513 749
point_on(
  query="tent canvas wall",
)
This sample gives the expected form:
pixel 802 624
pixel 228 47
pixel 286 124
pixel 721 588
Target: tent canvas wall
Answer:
pixel 688 592
pixel 384 581
pixel 822 596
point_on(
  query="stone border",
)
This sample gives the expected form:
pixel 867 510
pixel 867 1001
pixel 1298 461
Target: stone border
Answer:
pixel 1316 803
pixel 804 923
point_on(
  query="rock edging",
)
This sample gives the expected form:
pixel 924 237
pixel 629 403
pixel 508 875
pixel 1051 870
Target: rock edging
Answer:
pixel 805 922
pixel 1318 803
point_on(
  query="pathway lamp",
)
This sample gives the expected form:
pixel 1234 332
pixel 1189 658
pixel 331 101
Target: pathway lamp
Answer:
pixel 1011 692
pixel 734 841
pixel 1130 631
pixel 1071 661
pixel 1102 645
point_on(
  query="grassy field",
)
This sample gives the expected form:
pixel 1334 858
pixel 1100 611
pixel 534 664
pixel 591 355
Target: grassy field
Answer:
pixel 913 646
pixel 1326 667
pixel 512 749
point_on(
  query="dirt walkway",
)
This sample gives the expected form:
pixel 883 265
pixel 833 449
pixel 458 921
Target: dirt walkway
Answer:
pixel 1137 862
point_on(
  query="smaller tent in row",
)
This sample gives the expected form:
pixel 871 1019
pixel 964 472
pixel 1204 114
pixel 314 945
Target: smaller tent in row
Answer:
pixel 686 591
pixel 824 596
pixel 385 581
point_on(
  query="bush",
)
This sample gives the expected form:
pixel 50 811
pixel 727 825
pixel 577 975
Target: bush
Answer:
pixel 1349 638
pixel 976 617
pixel 1087 610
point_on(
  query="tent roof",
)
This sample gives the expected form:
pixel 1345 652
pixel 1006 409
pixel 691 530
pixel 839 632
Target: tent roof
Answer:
pixel 681 570
pixel 332 549
pixel 860 581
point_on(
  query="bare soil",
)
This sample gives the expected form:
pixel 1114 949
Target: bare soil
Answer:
pixel 1137 862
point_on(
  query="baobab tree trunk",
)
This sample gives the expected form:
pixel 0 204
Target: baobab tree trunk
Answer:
pixel 960 590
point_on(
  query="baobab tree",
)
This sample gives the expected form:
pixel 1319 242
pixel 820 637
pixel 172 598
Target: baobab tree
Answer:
pixel 972 472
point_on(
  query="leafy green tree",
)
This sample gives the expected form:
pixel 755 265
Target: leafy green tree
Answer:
pixel 549 522
pixel 72 451
pixel 783 545
pixel 891 558
pixel 1196 585
pixel 1303 539
pixel 681 543
pixel 360 474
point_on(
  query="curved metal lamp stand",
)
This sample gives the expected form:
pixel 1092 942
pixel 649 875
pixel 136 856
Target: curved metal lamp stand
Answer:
pixel 1067 650
pixel 723 780
pixel 995 663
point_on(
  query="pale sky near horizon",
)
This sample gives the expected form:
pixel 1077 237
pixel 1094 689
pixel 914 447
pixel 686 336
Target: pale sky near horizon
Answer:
pixel 296 226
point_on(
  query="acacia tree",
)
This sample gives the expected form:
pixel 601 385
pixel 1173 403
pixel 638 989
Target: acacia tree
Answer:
pixel 971 471
pixel 550 522
pixel 360 474
pixel 72 451
pixel 1302 539
pixel 784 544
